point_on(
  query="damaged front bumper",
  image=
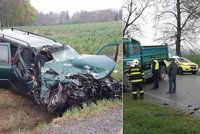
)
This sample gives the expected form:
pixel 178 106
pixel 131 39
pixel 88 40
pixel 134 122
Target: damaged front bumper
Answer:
pixel 77 89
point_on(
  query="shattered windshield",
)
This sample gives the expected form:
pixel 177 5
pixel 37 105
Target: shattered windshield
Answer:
pixel 64 53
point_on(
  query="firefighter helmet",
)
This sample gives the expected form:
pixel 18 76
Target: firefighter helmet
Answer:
pixel 135 62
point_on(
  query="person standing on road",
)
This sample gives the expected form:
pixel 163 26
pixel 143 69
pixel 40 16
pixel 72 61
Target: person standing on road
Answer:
pixel 136 77
pixel 155 71
pixel 172 72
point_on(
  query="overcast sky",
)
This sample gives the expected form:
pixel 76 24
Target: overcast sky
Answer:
pixel 75 5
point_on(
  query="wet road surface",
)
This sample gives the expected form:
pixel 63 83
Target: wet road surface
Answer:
pixel 187 94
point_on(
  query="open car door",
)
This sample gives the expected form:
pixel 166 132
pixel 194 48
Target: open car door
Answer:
pixel 110 50
pixel 5 61
pixel 21 67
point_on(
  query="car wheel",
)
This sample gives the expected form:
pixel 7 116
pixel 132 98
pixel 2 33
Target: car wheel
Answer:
pixel 126 83
pixel 56 102
pixel 162 73
pixel 194 72
pixel 180 71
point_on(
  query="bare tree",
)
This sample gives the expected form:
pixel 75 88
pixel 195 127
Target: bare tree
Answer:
pixel 132 11
pixel 178 21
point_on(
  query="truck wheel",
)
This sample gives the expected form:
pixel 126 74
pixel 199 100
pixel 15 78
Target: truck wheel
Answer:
pixel 126 83
pixel 194 72
pixel 162 73
pixel 180 71
pixel 56 102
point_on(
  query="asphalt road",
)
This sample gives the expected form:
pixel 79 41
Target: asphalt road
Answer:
pixel 108 122
pixel 187 94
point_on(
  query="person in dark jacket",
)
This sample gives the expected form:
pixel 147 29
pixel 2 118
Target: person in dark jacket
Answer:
pixel 155 71
pixel 172 72
pixel 136 77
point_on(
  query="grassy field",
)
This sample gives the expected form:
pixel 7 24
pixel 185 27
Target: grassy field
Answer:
pixel 193 58
pixel 143 117
pixel 85 38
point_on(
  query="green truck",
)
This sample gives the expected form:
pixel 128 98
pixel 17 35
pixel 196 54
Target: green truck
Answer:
pixel 132 49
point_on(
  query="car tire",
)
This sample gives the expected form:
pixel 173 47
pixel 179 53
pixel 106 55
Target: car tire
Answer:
pixel 162 73
pixel 56 102
pixel 180 71
pixel 127 85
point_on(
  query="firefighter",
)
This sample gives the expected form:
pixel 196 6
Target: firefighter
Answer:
pixel 155 71
pixel 136 77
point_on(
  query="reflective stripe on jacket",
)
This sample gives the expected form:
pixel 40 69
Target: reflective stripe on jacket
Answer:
pixel 136 74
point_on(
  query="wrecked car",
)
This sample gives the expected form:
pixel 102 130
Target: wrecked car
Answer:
pixel 68 79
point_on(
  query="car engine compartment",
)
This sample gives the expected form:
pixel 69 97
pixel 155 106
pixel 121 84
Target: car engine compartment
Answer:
pixel 88 89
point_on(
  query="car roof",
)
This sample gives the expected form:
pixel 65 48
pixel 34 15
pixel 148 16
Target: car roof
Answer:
pixel 26 38
pixel 175 57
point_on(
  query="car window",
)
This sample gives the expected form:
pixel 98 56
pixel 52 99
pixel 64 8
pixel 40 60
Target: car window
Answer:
pixel 136 50
pixel 183 60
pixel 109 51
pixel 63 53
pixel 4 55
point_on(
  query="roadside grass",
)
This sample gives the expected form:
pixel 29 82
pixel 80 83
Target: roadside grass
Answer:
pixel 143 117
pixel 37 130
pixel 87 111
pixel 193 58
pixel 3 105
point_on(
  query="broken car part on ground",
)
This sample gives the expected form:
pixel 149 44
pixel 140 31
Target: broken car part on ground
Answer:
pixel 64 80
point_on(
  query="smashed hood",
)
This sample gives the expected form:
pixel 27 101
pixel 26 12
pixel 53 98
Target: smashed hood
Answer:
pixel 99 66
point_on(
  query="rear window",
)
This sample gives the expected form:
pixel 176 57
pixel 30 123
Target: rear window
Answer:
pixel 4 55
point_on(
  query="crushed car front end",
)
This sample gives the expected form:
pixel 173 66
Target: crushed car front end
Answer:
pixel 71 81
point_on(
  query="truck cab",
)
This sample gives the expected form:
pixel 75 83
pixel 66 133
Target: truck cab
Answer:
pixel 132 49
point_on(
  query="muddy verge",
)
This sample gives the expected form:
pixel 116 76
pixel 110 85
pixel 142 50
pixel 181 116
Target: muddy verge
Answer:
pixel 18 112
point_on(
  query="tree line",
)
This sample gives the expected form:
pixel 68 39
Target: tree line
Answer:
pixel 78 17
pixel 176 21
pixel 16 12
pixel 21 12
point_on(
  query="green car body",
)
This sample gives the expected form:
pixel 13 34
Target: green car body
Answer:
pixel 69 79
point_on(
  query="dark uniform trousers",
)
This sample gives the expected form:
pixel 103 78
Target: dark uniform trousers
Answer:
pixel 155 71
pixel 136 78
pixel 156 79
pixel 137 87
